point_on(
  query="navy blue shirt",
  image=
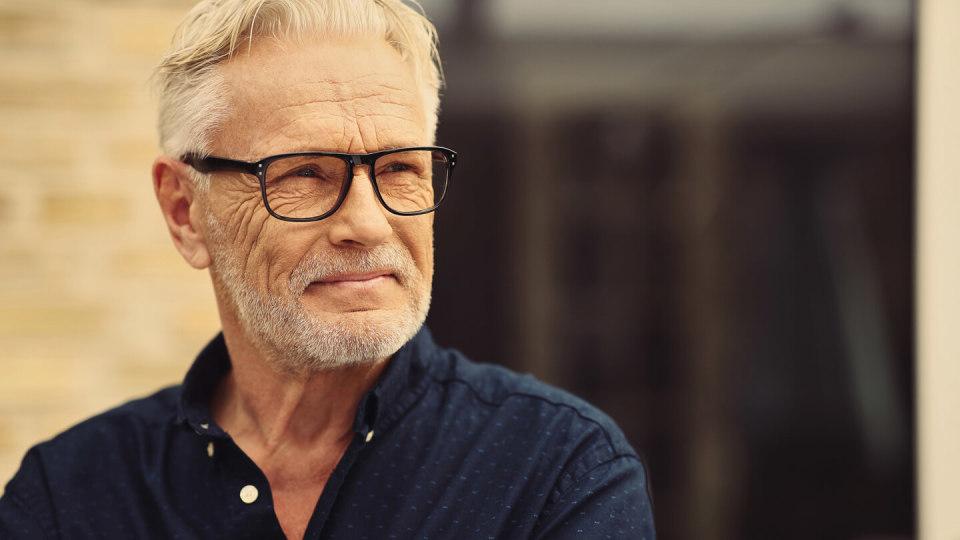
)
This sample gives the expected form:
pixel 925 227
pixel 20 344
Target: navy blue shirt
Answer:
pixel 443 448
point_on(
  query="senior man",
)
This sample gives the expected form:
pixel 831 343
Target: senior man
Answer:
pixel 298 168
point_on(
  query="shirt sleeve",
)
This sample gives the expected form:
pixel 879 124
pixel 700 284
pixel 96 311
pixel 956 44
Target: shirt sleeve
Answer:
pixel 25 510
pixel 610 500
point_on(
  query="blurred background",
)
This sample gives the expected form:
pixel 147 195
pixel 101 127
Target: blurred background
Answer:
pixel 698 216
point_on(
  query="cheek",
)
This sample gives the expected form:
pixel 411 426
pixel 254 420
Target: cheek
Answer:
pixel 282 247
pixel 244 226
pixel 239 215
pixel 416 233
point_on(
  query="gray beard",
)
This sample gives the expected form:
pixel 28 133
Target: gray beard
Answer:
pixel 295 341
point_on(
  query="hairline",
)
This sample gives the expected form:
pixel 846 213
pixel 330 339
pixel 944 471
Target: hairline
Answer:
pixel 218 89
pixel 194 93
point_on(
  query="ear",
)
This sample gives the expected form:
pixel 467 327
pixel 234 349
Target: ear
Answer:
pixel 181 209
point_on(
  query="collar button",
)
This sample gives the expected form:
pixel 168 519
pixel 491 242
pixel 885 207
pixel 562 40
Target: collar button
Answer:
pixel 249 494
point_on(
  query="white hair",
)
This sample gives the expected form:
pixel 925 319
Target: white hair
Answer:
pixel 192 89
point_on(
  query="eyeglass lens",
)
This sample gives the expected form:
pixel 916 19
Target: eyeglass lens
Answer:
pixel 309 186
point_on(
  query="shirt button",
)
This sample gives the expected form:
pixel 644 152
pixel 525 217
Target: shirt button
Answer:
pixel 210 449
pixel 248 494
pixel 369 436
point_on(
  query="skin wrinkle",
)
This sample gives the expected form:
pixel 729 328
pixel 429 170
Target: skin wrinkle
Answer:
pixel 347 108
pixel 326 123
pixel 379 114
pixel 282 275
pixel 236 228
pixel 342 136
pixel 243 220
pixel 349 105
pixel 304 353
pixel 323 118
pixel 248 208
pixel 241 230
pixel 389 89
pixel 378 96
pixel 286 132
pixel 354 122
pixel 368 132
pixel 271 257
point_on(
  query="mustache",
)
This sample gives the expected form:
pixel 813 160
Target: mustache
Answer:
pixel 385 257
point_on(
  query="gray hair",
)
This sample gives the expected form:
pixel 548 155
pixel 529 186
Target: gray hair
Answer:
pixel 192 90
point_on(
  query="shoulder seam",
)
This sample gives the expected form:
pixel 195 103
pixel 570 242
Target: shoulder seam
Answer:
pixel 486 401
pixel 569 474
pixel 558 494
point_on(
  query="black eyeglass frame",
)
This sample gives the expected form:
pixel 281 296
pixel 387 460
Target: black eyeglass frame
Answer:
pixel 211 164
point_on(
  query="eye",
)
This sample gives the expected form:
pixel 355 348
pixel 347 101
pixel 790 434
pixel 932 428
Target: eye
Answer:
pixel 398 166
pixel 305 172
pixel 404 166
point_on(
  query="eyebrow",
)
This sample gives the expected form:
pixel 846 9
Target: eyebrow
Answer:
pixel 336 151
pixel 395 146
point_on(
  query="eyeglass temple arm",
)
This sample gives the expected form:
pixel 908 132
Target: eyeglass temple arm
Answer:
pixel 215 164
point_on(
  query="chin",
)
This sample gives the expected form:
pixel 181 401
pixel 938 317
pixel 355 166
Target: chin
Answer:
pixel 330 341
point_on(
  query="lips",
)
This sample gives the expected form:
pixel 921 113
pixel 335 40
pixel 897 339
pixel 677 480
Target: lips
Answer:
pixel 356 278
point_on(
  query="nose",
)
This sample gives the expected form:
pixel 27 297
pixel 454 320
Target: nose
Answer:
pixel 361 221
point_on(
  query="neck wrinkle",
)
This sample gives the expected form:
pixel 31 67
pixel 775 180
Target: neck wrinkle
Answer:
pixel 279 408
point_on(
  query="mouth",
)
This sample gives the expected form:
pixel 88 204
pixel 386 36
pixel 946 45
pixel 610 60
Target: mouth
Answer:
pixel 354 281
pixel 356 278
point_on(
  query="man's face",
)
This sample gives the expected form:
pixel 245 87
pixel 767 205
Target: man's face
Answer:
pixel 302 291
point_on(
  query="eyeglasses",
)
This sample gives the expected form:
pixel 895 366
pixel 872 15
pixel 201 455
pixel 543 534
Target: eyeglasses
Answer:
pixel 310 186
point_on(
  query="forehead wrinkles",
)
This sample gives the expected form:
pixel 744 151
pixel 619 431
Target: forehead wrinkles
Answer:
pixel 378 104
pixel 323 114
pixel 363 91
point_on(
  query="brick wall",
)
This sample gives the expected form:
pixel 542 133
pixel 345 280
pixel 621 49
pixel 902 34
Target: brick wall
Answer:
pixel 96 306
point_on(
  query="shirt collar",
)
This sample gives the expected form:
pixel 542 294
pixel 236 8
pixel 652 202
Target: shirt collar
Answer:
pixel 398 387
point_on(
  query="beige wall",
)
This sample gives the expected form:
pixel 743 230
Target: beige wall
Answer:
pixel 938 270
pixel 96 307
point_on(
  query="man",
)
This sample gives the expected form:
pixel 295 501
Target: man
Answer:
pixel 298 167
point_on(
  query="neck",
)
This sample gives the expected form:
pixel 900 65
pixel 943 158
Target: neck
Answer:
pixel 275 408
